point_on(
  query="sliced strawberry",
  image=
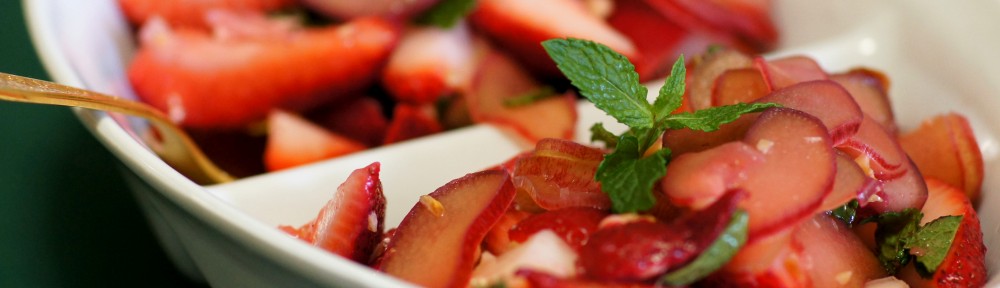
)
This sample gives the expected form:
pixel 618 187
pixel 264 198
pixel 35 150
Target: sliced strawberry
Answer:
pixel 352 222
pixel 656 38
pixel 641 250
pixel 498 240
pixel 410 121
pixel 500 79
pixel 430 62
pixel 207 82
pixel 294 141
pixel 360 119
pixel 945 148
pixel 574 225
pixel 192 13
pixel 521 25
pixel 351 9
pixel 739 23
pixel 633 252
pixel 965 263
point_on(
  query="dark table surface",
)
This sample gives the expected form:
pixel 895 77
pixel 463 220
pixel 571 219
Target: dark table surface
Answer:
pixel 66 217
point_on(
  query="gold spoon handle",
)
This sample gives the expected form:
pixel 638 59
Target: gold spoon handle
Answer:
pixel 176 147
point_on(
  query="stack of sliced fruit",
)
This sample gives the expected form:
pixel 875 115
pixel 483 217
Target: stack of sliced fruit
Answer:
pixel 359 74
pixel 801 182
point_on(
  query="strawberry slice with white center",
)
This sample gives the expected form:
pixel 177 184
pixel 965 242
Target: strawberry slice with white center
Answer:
pixel 293 141
pixel 206 81
pixel 574 225
pixel 352 222
pixel 429 62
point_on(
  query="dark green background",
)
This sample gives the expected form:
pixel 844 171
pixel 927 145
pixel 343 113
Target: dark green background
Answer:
pixel 66 217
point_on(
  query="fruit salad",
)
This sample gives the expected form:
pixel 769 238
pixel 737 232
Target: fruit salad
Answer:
pixel 744 171
pixel 266 85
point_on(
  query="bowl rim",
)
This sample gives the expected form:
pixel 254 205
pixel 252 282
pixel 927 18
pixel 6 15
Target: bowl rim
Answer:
pixel 189 196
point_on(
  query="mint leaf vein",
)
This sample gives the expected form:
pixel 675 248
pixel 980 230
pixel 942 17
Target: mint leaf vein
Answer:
pixel 604 77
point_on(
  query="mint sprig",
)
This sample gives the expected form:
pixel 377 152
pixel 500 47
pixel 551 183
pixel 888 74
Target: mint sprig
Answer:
pixel 609 80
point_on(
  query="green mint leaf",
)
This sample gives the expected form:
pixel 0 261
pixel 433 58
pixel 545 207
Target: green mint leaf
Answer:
pixel 672 93
pixel 895 230
pixel 932 243
pixel 717 254
pixel 710 119
pixel 604 77
pixel 599 133
pixel 530 97
pixel 847 213
pixel 628 178
pixel 446 13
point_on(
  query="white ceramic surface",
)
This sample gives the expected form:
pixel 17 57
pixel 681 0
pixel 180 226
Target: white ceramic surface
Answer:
pixel 939 57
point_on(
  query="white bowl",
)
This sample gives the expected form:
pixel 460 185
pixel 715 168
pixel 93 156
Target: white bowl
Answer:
pixel 940 57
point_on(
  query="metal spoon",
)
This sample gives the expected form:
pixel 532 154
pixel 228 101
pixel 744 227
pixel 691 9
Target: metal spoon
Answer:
pixel 176 147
